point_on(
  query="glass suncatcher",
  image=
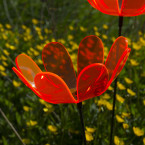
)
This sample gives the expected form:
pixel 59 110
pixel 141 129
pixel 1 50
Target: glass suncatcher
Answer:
pixel 60 84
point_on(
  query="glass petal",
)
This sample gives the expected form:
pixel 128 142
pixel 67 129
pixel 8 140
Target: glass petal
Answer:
pixel 132 8
pixel 56 59
pixel 91 81
pixel 117 57
pixel 110 7
pixel 90 51
pixel 53 88
pixel 27 67
pixel 26 82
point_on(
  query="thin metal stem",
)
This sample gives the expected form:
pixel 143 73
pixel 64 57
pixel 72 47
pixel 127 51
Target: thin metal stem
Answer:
pixel 79 105
pixel 10 124
pixel 115 88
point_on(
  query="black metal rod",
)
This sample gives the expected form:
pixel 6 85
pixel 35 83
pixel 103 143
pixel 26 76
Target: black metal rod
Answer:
pixel 115 88
pixel 79 105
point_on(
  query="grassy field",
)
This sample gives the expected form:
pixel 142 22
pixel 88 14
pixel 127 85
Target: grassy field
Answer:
pixel 25 27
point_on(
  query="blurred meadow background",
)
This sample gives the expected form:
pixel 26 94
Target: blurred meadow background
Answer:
pixel 25 27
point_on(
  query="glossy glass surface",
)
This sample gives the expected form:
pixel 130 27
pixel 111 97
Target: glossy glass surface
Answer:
pixel 56 59
pixel 27 67
pixel 90 51
pixel 92 81
pixel 119 7
pixel 53 88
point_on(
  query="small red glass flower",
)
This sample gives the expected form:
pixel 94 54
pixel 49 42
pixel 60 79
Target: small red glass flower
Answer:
pixel 119 7
pixel 59 84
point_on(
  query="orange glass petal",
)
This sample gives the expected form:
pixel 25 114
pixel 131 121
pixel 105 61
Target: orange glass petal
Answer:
pixel 119 7
pixel 56 59
pixel 53 88
pixel 27 67
pixel 117 57
pixel 92 81
pixel 26 82
pixel 90 51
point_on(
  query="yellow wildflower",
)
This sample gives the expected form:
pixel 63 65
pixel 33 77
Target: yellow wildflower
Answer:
pixel 113 39
pixel 1 25
pixel 34 21
pixel 4 36
pixel 128 81
pixel 119 119
pixel 139 33
pixel 12 47
pixel 8 26
pixel 31 123
pixel 47 31
pixel 101 102
pixel 39 61
pixel 105 96
pixel 16 84
pixel 104 36
pixel 61 41
pixel 95 28
pixel 83 29
pixel 137 131
pixel 3 73
pixel 52 128
pixel 131 92
pixel 91 130
pixel 117 141
pixel 134 62
pixel 124 114
pixel 89 136
pixel 109 106
pixel 38 29
pixel 136 46
pixel 24 27
pixel 105 26
pixel 70 37
pixel 71 27
pixel 125 126
pixel 144 102
pixel 26 108
pixel 121 86
pixel 144 140
pixel 47 144
pixel 53 40
pixel 119 98
pixel 110 88
pixel 97 33
pixel 26 141
pixel 2 68
pixel 3 57
pixel 6 52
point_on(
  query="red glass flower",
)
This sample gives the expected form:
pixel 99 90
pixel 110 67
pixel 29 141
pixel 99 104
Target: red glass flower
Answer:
pixel 119 7
pixel 59 84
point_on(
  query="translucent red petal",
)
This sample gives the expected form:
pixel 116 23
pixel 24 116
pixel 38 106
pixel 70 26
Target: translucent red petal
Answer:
pixel 90 51
pixel 109 7
pixel 92 81
pixel 53 88
pixel 119 7
pixel 27 67
pixel 56 59
pixel 117 57
pixel 133 8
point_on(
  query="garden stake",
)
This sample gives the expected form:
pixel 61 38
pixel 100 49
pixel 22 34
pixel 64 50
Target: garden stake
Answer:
pixel 79 105
pixel 10 124
pixel 115 88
